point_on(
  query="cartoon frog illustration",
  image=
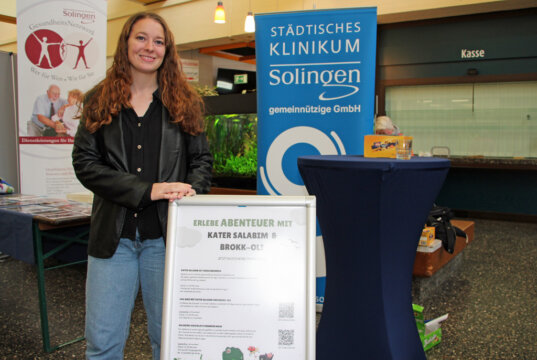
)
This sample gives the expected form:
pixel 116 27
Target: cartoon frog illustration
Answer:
pixel 232 353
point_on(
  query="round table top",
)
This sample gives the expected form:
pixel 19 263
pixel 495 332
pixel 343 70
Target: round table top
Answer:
pixel 358 161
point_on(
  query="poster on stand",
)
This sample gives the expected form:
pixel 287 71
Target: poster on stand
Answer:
pixel 315 95
pixel 240 278
pixel 61 54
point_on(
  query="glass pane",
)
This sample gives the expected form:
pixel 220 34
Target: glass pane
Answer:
pixel 487 119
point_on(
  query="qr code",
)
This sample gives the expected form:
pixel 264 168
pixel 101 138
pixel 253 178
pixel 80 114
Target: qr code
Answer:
pixel 286 337
pixel 287 311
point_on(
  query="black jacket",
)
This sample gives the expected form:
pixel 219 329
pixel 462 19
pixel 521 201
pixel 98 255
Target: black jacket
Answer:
pixel 100 164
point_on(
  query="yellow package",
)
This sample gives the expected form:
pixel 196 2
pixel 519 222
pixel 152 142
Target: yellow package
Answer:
pixel 427 236
pixel 381 145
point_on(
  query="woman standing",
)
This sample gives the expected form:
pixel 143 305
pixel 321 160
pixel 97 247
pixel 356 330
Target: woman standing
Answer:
pixel 139 144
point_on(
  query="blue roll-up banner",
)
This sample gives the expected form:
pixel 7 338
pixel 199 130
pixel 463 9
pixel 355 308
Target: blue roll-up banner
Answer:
pixel 315 94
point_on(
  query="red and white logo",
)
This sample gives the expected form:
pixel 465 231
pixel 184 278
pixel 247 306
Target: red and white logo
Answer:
pixel 45 49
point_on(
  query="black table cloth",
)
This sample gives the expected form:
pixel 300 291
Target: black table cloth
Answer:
pixel 371 212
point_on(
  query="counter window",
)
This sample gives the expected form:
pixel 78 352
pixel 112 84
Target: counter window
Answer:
pixel 485 119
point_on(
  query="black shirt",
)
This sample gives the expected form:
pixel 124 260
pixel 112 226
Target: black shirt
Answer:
pixel 142 136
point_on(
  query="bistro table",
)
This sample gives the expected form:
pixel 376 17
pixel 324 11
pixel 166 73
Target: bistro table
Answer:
pixel 35 228
pixel 371 212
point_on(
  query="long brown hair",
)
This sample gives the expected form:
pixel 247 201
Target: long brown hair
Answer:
pixel 112 94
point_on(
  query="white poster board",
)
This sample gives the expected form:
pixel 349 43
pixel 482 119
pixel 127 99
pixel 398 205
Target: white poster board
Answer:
pixel 240 278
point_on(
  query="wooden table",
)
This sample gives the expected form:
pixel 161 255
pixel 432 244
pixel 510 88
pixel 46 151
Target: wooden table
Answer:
pixel 428 263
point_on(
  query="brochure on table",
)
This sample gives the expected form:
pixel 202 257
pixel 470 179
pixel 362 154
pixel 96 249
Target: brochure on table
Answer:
pixel 240 278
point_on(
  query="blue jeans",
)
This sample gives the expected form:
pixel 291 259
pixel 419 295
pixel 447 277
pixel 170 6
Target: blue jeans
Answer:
pixel 111 289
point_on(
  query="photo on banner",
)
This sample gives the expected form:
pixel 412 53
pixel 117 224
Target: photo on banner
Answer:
pixel 61 54
pixel 315 95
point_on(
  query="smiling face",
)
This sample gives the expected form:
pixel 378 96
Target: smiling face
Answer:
pixel 53 93
pixel 146 47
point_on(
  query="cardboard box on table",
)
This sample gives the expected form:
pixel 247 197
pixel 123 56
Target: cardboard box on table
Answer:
pixel 381 145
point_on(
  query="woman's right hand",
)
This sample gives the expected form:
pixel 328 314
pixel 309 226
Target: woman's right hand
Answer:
pixel 170 191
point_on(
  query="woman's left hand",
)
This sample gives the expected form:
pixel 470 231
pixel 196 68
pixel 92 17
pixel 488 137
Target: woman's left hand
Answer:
pixel 171 191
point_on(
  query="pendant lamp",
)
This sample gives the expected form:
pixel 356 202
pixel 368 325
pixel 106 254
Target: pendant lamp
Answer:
pixel 249 23
pixel 220 14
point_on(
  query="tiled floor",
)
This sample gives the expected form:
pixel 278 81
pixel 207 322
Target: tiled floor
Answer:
pixel 490 295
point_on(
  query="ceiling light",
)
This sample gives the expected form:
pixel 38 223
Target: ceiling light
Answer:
pixel 220 14
pixel 249 23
